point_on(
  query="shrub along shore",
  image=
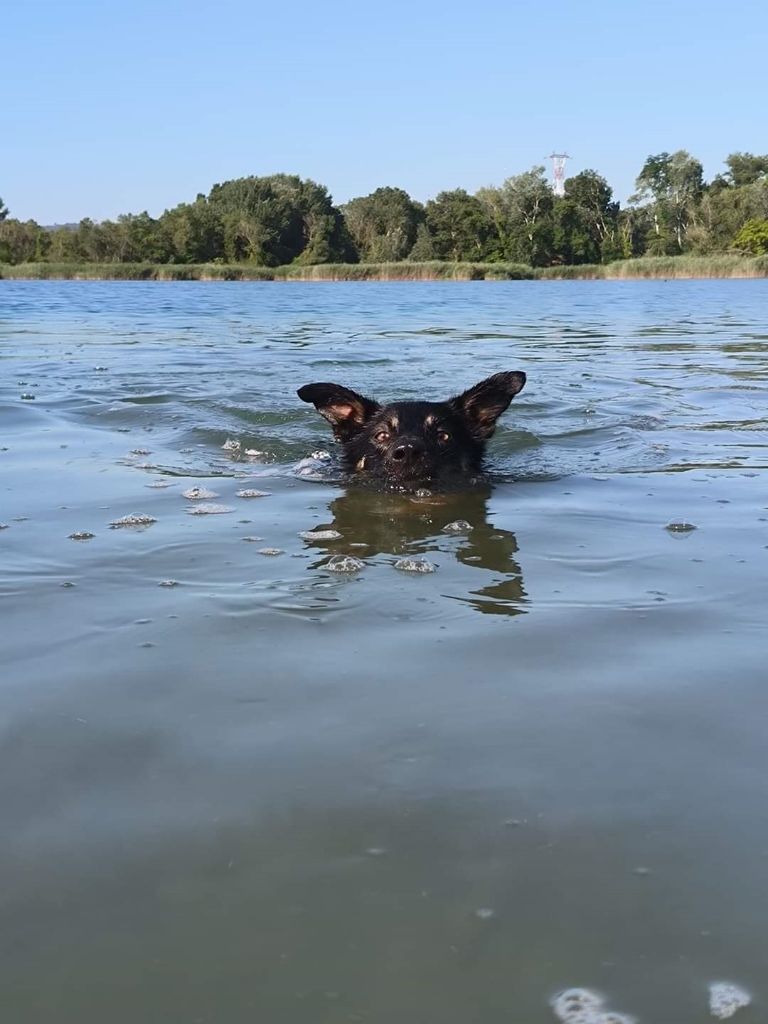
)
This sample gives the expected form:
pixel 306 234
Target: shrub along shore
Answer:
pixel 644 267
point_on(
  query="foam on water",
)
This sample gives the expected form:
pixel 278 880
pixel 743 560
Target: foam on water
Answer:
pixel 198 493
pixel 344 563
pixel 208 510
pixel 415 565
pixel 726 998
pixel 582 1006
pixel 316 466
pixel 680 527
pixel 458 526
pixel 135 519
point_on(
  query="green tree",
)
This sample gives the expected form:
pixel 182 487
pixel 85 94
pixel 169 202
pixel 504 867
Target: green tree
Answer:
pixel 586 221
pixel 459 226
pixel 3 210
pixel 724 211
pixel 521 214
pixel 635 225
pixel 140 239
pixel 194 232
pixel 64 247
pixel 674 185
pixel 22 241
pixel 280 219
pixel 753 237
pixel 424 247
pixel 746 168
pixel 384 224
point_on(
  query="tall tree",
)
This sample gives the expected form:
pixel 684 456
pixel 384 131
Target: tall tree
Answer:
pixel 280 219
pixel 521 214
pixel 3 210
pixel 746 168
pixel 674 183
pixel 22 241
pixel 424 247
pixel 586 221
pixel 459 226
pixel 384 224
pixel 753 238
pixel 194 232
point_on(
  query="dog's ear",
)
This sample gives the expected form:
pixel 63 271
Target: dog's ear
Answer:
pixel 345 410
pixel 482 405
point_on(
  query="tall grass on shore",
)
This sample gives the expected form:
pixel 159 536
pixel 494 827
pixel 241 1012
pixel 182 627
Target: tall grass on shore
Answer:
pixel 643 267
pixel 716 265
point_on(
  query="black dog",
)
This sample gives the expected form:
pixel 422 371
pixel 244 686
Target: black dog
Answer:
pixel 410 442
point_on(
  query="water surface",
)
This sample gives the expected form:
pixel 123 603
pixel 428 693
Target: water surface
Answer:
pixel 269 792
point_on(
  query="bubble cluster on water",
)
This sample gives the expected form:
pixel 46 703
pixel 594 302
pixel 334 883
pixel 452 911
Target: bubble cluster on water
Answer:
pixel 725 999
pixel 168 583
pixel 320 535
pixel 81 535
pixel 415 565
pixel 250 493
pixel 582 1006
pixel 315 467
pixel 198 493
pixel 271 552
pixel 344 563
pixel 680 527
pixel 206 509
pixel 135 519
pixel 458 526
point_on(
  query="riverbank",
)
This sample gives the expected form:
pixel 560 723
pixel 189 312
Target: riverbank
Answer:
pixel 646 267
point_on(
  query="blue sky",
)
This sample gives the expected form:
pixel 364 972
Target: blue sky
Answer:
pixel 112 107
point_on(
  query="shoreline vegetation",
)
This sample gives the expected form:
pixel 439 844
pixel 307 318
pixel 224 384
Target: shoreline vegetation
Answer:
pixel 638 268
pixel 283 228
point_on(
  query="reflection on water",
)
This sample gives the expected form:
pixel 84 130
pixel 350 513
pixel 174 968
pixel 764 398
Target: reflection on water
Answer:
pixel 400 524
pixel 276 793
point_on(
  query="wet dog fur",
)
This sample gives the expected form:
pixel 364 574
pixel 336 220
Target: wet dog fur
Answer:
pixel 406 443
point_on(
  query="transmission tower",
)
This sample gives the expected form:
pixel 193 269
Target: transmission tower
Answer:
pixel 558 172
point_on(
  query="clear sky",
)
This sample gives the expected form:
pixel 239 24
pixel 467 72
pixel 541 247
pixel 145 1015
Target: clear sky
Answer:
pixel 115 106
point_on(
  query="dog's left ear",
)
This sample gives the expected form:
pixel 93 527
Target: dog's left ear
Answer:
pixel 482 405
pixel 345 410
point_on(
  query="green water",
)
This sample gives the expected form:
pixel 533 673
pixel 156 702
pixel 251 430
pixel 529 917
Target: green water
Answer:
pixel 273 793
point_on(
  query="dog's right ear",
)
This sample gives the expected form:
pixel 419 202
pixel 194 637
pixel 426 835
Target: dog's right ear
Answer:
pixel 345 410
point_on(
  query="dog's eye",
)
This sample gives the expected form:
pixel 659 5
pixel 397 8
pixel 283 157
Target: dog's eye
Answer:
pixel 443 436
pixel 382 436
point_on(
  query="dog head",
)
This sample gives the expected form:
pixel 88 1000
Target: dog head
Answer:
pixel 408 442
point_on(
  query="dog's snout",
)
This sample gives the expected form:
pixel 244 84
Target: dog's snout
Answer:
pixel 407 451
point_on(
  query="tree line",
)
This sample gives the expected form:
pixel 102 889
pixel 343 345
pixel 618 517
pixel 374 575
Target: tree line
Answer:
pixel 281 219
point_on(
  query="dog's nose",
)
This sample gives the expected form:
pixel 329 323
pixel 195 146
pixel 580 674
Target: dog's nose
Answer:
pixel 407 451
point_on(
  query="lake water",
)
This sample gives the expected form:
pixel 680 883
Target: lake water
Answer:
pixel 273 793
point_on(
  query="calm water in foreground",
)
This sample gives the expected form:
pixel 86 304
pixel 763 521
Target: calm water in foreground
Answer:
pixel 271 793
